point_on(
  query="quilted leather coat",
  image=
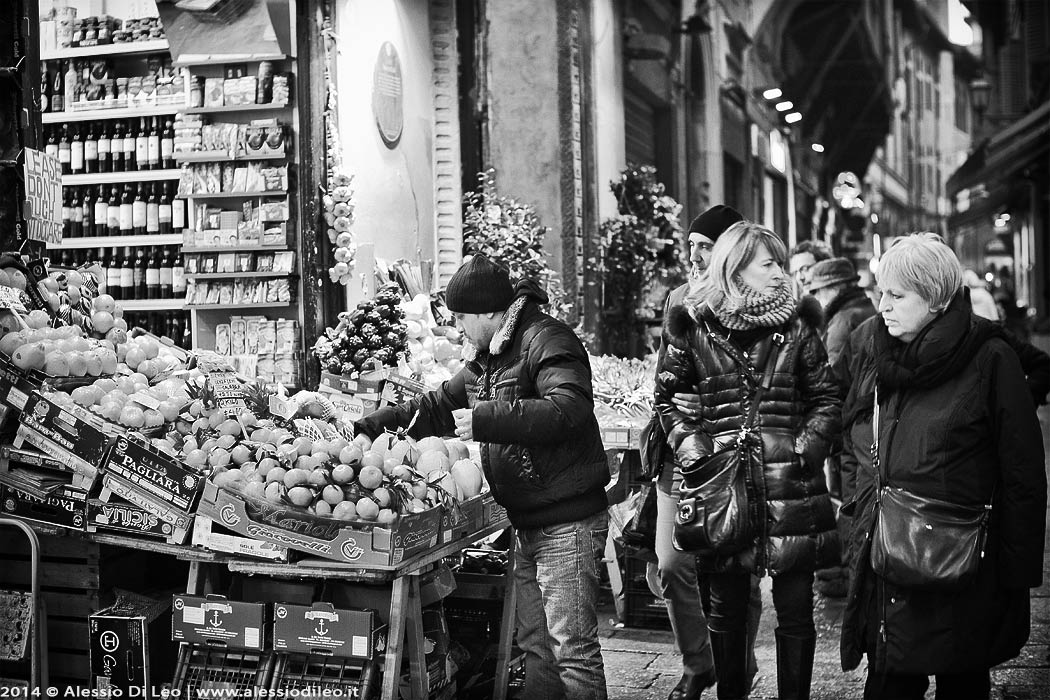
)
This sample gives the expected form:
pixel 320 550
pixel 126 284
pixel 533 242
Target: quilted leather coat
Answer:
pixel 794 519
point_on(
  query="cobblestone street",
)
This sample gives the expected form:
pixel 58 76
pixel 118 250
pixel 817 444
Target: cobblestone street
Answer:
pixel 643 665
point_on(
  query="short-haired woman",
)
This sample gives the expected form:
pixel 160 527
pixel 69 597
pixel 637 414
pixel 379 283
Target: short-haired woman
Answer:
pixel 718 342
pixel 955 423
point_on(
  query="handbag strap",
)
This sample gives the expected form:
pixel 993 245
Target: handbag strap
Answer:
pixel 763 385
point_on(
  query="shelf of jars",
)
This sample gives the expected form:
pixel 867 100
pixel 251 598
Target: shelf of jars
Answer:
pixel 123 49
pixel 133 176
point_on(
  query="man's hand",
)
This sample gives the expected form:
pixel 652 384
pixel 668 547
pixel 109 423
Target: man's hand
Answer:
pixel 689 404
pixel 464 418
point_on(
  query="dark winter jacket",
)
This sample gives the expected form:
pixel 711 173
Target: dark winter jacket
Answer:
pixel 842 316
pixel 952 433
pixel 533 413
pixel 794 517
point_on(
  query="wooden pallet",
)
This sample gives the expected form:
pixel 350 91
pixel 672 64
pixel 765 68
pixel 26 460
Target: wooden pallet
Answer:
pixel 69 580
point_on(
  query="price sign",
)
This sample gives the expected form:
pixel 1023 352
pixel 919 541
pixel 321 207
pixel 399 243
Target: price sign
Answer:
pixel 228 394
pixel 43 204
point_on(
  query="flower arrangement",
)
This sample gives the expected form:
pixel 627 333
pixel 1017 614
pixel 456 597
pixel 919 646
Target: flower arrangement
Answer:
pixel 510 232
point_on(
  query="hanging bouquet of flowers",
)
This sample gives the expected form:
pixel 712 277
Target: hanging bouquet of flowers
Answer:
pixel 510 232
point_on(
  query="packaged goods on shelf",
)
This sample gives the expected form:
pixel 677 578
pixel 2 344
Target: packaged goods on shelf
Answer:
pixel 209 535
pixel 121 517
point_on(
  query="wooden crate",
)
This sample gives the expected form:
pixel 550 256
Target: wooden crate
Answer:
pixel 69 580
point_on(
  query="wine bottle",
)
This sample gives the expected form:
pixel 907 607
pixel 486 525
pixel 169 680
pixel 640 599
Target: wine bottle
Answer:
pixel 45 89
pixel 167 145
pixel 152 210
pixel 101 213
pixel 129 147
pixel 76 152
pixel 87 225
pixel 138 211
pixel 76 214
pixel 113 268
pixel 152 275
pixel 71 83
pixel 153 146
pixel 165 275
pixel 139 276
pixel 91 149
pixel 51 147
pixel 164 210
pixel 113 212
pixel 67 213
pixel 103 263
pixel 127 212
pixel 105 163
pixel 58 90
pixel 178 214
pixel 119 164
pixel 178 280
pixel 142 146
pixel 65 151
pixel 127 275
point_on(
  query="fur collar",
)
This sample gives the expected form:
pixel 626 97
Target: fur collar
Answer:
pixel 683 319
pixel 526 291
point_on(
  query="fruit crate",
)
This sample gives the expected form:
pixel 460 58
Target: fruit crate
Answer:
pixel 315 674
pixel 641 607
pixel 206 672
pixel 16 617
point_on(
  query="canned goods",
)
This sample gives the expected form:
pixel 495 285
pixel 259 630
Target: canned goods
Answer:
pixel 197 92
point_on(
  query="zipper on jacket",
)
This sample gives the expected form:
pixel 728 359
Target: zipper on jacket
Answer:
pixel 880 584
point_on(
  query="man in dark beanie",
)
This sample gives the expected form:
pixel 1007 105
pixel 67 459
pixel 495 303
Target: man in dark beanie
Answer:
pixel 525 395
pixel 674 573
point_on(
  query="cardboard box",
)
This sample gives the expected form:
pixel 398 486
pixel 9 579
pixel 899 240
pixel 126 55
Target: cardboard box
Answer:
pixel 180 521
pixel 131 519
pixel 84 475
pixel 206 535
pixel 15 385
pixel 15 456
pixel 353 405
pixel 63 507
pixel 159 475
pixel 81 434
pixel 322 629
pixel 494 512
pixel 366 544
pixel 469 519
pixel 398 389
pixel 214 620
pixel 119 653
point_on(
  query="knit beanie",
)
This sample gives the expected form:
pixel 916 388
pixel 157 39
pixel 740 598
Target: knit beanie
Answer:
pixel 714 222
pixel 479 286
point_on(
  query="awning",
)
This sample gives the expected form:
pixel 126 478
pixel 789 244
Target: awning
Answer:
pixel 1005 153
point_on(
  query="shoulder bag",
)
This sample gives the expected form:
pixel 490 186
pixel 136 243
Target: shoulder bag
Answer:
pixel 920 542
pixel 713 514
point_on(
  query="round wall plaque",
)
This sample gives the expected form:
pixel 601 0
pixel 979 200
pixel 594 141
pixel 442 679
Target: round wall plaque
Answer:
pixel 388 95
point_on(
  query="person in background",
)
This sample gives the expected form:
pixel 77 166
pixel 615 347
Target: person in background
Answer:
pixel 803 257
pixel 833 283
pixel 526 397
pixel 955 424
pixel 980 298
pixel 718 340
pixel 676 572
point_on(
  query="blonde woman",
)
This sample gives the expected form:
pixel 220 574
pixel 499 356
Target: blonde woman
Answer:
pixel 956 423
pixel 718 343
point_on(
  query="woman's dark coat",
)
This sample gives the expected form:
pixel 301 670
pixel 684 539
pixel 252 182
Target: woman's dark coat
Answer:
pixel 795 520
pixel 955 441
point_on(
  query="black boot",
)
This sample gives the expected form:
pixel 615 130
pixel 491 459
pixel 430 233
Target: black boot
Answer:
pixel 794 665
pixel 730 651
pixel 691 687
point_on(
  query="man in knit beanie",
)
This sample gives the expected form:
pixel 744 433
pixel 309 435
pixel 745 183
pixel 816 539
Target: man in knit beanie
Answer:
pixel 525 395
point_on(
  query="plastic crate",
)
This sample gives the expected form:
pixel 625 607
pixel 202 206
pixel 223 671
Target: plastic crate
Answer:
pixel 346 678
pixel 645 610
pixel 214 671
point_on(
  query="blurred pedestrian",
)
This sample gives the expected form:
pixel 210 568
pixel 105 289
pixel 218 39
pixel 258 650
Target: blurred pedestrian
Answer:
pixel 956 430
pixel 526 397
pixel 980 298
pixel 738 335
pixel 803 257
pixel 676 572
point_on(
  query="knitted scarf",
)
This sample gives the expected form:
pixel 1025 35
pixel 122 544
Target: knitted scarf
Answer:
pixel 525 291
pixel 757 309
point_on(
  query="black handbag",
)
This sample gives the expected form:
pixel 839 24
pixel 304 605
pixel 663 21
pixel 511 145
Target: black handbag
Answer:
pixel 639 533
pixel 924 543
pixel 714 515
pixel 653 447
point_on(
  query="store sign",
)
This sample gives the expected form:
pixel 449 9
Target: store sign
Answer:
pixel 388 95
pixel 777 151
pixel 43 205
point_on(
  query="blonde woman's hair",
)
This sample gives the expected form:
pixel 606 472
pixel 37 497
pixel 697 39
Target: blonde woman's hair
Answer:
pixel 733 251
pixel 922 263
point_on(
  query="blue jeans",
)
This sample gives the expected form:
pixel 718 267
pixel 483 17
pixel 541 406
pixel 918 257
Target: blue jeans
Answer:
pixel 556 575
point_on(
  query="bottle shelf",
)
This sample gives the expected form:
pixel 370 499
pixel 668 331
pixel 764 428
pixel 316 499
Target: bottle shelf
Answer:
pixel 236 195
pixel 124 113
pixel 235 275
pixel 198 59
pixel 152 304
pixel 236 249
pixel 260 305
pixel 117 241
pixel 126 176
pixel 125 48
pixel 222 157
pixel 254 107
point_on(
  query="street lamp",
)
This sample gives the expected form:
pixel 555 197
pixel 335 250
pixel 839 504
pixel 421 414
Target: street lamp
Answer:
pixel 980 93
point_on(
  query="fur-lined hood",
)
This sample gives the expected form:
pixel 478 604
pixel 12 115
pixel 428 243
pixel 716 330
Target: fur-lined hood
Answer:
pixel 525 291
pixel 682 319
